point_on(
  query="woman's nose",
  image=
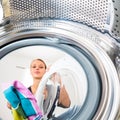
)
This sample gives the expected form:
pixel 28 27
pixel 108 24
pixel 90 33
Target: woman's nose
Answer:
pixel 37 68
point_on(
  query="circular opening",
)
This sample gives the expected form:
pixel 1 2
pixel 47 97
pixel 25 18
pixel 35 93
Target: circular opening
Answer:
pixel 78 73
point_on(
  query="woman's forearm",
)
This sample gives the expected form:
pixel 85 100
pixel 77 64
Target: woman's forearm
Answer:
pixel 64 100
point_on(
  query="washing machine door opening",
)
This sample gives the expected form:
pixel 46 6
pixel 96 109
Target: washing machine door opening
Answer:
pixel 87 81
pixel 78 73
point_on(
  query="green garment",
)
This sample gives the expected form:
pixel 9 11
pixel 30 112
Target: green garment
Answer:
pixel 18 114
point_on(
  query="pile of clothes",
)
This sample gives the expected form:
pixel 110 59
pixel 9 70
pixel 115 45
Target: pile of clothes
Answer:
pixel 24 105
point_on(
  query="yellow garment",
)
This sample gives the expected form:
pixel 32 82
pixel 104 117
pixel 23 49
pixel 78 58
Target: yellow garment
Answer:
pixel 17 116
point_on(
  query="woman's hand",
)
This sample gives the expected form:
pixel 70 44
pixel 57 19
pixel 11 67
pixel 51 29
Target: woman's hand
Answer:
pixel 9 106
pixel 56 78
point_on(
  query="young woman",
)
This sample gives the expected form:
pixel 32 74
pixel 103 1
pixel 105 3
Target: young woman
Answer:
pixel 38 69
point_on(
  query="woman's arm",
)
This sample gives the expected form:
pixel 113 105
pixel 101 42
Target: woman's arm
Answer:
pixel 64 100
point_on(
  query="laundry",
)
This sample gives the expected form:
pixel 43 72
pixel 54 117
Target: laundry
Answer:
pixel 23 102
pixel 17 116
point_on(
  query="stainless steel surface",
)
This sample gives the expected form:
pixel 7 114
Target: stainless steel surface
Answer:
pixel 93 13
pixel 103 15
pixel 115 28
pixel 104 40
pixel 110 99
pixel 93 26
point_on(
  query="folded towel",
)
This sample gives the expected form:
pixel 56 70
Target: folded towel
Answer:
pixel 19 96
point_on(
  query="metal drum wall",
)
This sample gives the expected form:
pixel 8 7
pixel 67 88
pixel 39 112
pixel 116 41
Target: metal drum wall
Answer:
pixel 88 31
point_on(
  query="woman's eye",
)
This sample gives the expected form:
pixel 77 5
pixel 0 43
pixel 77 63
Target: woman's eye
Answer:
pixel 41 67
pixel 33 66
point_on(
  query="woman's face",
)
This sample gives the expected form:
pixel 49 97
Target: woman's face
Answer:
pixel 37 69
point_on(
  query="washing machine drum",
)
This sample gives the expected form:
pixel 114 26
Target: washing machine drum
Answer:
pixel 91 76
